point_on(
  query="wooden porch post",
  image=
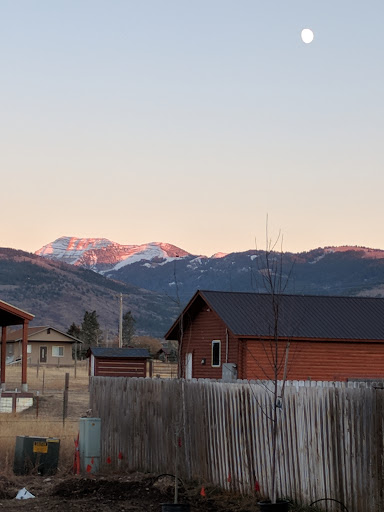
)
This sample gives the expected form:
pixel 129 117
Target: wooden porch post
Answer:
pixel 3 355
pixel 24 362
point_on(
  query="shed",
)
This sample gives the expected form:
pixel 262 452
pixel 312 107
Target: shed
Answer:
pixel 118 362
pixel 331 338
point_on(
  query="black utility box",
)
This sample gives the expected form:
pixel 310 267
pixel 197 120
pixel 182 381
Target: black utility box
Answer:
pixel 36 454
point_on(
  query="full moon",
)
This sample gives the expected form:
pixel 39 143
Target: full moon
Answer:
pixel 307 35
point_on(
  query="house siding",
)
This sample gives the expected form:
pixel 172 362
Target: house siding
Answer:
pixel 47 337
pixel 197 339
pixel 34 355
pixel 317 360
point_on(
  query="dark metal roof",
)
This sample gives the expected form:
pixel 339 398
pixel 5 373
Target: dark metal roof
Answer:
pixel 32 331
pixel 120 352
pixel 300 316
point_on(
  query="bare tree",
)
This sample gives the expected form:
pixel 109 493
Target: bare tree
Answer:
pixel 276 349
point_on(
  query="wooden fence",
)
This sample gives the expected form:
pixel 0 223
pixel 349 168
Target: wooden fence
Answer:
pixel 331 442
pixel 162 370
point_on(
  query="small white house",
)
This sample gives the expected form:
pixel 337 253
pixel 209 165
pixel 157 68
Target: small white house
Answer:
pixel 46 346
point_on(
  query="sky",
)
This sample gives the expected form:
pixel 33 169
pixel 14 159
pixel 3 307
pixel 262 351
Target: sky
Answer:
pixel 201 123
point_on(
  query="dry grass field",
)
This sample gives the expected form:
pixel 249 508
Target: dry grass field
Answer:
pixel 45 418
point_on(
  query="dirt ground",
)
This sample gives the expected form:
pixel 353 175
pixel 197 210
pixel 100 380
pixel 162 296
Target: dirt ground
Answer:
pixel 128 493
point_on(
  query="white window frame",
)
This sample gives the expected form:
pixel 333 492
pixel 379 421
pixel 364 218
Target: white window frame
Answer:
pixel 214 343
pixel 29 348
pixel 54 354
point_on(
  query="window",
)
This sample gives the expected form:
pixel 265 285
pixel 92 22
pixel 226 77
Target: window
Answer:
pixel 57 351
pixel 216 353
pixel 29 349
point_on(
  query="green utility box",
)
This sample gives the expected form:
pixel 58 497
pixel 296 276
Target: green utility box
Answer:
pixel 90 444
pixel 38 454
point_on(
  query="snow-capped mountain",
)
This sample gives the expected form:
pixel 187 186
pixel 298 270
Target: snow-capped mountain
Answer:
pixel 102 255
pixel 169 270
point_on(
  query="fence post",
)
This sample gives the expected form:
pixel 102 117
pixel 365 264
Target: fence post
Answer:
pixel 65 398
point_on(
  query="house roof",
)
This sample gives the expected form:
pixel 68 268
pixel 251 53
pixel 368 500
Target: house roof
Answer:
pixel 300 316
pixel 137 353
pixel 33 331
pixel 11 315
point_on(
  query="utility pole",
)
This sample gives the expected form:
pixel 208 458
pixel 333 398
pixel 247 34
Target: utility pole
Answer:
pixel 121 322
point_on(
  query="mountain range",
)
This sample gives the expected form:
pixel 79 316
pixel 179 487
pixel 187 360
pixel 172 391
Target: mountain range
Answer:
pixel 70 275
pixel 169 270
pixel 58 294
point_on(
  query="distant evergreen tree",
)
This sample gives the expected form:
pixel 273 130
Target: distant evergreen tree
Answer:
pixel 128 328
pixel 91 334
pixel 75 331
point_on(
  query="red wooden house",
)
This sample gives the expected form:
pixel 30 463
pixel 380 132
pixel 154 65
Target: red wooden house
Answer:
pixel 330 338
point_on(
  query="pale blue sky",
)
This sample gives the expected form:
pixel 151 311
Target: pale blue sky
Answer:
pixel 189 121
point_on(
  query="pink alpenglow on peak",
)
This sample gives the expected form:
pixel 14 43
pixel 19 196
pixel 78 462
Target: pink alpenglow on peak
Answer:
pixel 101 254
pixel 220 255
pixel 366 251
pixel 70 249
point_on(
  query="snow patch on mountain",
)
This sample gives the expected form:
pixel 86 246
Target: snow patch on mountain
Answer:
pixel 318 258
pixel 149 252
pixel 71 249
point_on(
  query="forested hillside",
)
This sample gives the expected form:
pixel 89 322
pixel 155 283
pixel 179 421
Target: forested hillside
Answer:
pixel 59 294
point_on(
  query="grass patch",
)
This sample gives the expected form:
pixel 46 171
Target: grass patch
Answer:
pixel 12 425
pixel 45 419
pixel 46 379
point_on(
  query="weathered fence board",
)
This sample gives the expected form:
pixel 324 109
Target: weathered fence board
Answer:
pixel 330 443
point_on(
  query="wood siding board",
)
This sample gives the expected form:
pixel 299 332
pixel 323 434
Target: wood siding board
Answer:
pixel 249 435
pixel 259 451
pixel 241 459
pixel 296 475
pixel 288 455
pixel 323 440
pixel 224 434
pixel 254 434
pixel 341 441
pixel 373 459
pixel 221 460
pixel 322 360
pixel 265 416
pixel 303 443
pixel 353 446
pixel 212 438
pixel 379 412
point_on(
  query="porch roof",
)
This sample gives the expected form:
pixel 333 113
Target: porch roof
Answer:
pixel 11 315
